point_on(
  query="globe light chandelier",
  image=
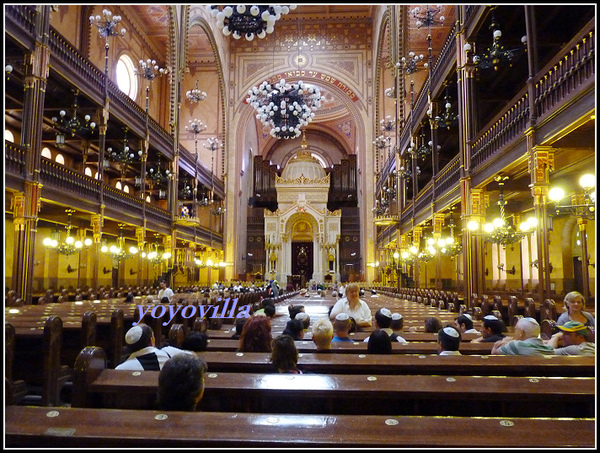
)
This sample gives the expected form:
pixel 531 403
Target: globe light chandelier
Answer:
pixel 71 244
pixel 195 95
pixel 126 155
pixel 285 107
pixel 248 20
pixel 72 125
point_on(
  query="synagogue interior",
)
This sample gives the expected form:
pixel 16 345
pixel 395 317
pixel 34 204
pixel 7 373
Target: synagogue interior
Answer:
pixel 412 149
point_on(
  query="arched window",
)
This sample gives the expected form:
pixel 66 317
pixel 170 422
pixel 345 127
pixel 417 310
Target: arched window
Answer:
pixel 8 135
pixel 125 188
pixel 96 175
pixel 148 199
pixel 46 153
pixel 126 78
pixel 118 185
pixel 59 159
pixel 88 171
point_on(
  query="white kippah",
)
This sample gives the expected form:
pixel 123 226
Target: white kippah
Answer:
pixel 468 316
pixel 385 312
pixel 490 318
pixel 301 316
pixel 133 335
pixel 531 320
pixel 396 316
pixel 342 317
pixel 451 332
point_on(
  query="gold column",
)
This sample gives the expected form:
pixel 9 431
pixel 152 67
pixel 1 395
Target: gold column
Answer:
pixel 541 163
pixel 140 236
pixel 97 222
pixel 438 224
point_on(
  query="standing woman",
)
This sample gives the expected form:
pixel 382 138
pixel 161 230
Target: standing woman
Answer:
pixel 353 307
pixel 574 303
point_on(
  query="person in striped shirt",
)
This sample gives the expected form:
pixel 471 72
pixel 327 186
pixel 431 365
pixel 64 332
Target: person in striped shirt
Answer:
pixel 525 341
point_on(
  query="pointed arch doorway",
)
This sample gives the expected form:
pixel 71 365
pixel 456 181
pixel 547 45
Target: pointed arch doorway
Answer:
pixel 302 262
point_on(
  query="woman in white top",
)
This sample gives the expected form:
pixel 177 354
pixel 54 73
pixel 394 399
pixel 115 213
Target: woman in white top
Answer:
pixel 353 307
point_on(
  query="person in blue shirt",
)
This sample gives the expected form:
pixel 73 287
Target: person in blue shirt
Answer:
pixel 341 328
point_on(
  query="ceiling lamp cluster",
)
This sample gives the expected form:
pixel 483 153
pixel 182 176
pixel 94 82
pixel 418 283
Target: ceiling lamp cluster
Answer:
pixel 248 20
pixel 196 94
pixel 285 107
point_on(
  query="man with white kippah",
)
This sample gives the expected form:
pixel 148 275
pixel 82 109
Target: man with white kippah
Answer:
pixel 396 326
pixel 525 341
pixel 383 321
pixel 341 328
pixel 449 341
pixel 464 323
pixel 492 330
pixel 143 354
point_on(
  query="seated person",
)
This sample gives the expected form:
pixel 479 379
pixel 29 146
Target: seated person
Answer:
pixel 383 321
pixel 322 334
pixel 267 302
pixel 449 341
pixel 433 325
pixel 341 328
pixel 379 342
pixel 353 306
pixel 525 341
pixel 195 342
pixel 181 383
pixel 269 311
pixel 573 339
pixel 239 325
pixel 295 329
pixel 304 318
pixel 294 310
pixel 284 354
pixel 492 330
pixel 574 304
pixel 256 335
pixel 464 324
pixel 143 353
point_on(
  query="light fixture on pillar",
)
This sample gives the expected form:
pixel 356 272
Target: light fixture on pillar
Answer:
pixel 446 118
pixel 72 125
pixel 382 142
pixel 388 124
pixel 285 107
pixel 248 20
pixel 108 26
pixel 424 149
pixel 149 70
pixel 7 71
pixel 410 65
pixel 450 246
pixel 583 203
pixel 427 18
pixel 196 94
pixel 495 55
pixel 71 244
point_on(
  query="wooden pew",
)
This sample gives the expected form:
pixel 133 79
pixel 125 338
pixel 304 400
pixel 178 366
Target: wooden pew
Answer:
pixel 37 360
pixel 471 365
pixel 96 386
pixel 105 428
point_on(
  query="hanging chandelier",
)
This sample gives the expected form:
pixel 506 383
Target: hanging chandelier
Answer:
pixel 117 251
pixel 499 231
pixel 158 175
pixel 388 124
pixel 73 125
pixel 285 107
pixel 70 245
pixel 409 65
pixel 126 155
pixel 248 20
pixel 428 17
pixel 495 55
pixel 382 142
pixel 446 118
pixel 196 94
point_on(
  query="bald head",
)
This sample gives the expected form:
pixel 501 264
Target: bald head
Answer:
pixel 527 328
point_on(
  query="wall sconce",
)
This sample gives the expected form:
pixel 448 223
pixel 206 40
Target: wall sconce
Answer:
pixel 511 271
pixel 106 271
pixel 132 272
pixel 71 269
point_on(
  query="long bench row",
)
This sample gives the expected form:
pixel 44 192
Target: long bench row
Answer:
pixel 105 428
pixel 97 386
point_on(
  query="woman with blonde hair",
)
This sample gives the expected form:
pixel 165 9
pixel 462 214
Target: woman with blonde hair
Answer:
pixel 353 307
pixel 574 304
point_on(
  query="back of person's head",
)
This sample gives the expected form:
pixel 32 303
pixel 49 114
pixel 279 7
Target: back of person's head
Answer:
pixel 294 329
pixel 397 321
pixel 294 310
pixel 384 318
pixel 529 327
pixel 379 342
pixel 195 341
pixel 267 301
pixel 239 324
pixel 165 300
pixel 322 333
pixel 181 382
pixel 493 323
pixel 304 318
pixel 139 337
pixel 256 335
pixel 270 310
pixel 342 324
pixel 433 325
pixel 449 338
pixel 466 320
pixel 284 354
pixel 129 297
